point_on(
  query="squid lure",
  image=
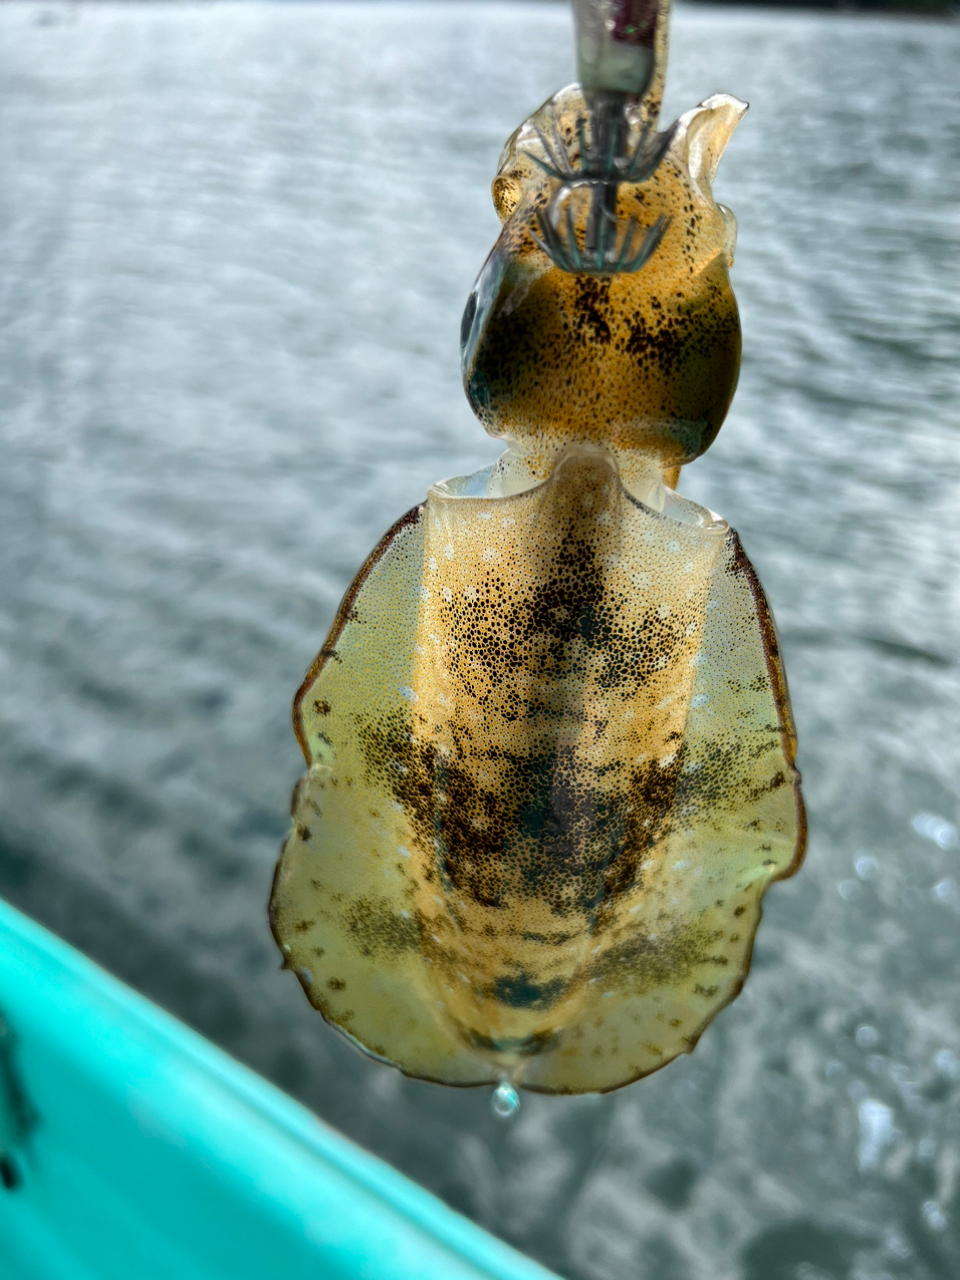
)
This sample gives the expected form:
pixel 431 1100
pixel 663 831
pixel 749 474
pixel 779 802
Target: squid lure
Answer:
pixel 549 743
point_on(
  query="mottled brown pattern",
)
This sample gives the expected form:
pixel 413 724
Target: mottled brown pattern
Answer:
pixel 647 360
pixel 537 776
pixel 549 741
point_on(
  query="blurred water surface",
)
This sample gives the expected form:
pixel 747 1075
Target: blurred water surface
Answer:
pixel 236 241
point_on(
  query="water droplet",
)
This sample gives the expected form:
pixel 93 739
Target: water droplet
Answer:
pixel 943 891
pixel 866 866
pixel 877 1132
pixel 505 1102
pixel 932 827
pixel 932 1212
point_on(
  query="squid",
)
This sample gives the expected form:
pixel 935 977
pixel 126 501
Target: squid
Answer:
pixel 549 741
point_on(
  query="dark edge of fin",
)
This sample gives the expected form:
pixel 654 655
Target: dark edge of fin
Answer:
pixel 412 517
pixel 740 564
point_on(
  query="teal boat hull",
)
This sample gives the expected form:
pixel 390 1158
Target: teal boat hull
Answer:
pixel 140 1151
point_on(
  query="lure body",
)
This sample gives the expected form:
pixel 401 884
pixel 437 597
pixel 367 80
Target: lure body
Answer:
pixel 551 759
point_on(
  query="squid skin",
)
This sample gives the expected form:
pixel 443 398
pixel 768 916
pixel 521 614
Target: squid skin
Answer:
pixel 549 742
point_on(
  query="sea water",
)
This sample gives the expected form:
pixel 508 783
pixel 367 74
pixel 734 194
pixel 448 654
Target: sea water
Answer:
pixel 235 243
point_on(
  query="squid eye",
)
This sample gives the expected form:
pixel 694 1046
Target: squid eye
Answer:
pixel 475 314
pixel 466 324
